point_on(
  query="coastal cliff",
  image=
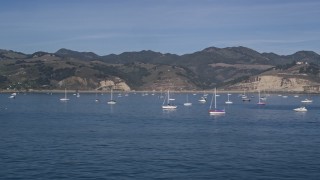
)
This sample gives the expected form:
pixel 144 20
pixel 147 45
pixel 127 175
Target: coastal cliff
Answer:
pixel 276 83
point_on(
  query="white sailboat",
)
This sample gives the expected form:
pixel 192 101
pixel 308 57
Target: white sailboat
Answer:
pixel 97 99
pixel 264 97
pixel 168 105
pixel 259 101
pixel 161 96
pixel 244 97
pixel 65 96
pixel 228 101
pixel 215 111
pixel 187 103
pixel 111 101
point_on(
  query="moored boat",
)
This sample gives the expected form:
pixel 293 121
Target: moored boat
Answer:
pixel 301 109
pixel 168 105
pixel 215 111
pixel 306 100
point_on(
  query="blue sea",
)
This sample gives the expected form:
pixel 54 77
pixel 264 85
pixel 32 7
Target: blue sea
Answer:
pixel 43 138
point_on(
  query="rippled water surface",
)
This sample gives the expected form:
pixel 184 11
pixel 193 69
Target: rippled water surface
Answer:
pixel 43 138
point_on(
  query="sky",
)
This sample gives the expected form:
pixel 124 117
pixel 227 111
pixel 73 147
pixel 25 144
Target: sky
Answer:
pixel 167 26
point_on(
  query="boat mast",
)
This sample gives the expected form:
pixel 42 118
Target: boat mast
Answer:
pixel 168 100
pixel 111 95
pixel 215 98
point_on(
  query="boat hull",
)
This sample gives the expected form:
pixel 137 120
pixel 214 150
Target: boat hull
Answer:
pixel 261 103
pixel 112 102
pixel 306 101
pixel 169 107
pixel 216 112
pixel 300 109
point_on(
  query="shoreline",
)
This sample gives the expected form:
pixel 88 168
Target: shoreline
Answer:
pixel 157 92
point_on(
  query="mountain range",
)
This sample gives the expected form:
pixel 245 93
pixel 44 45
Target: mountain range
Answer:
pixel 231 68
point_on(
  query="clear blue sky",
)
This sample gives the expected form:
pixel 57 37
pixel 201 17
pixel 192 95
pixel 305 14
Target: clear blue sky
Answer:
pixel 167 26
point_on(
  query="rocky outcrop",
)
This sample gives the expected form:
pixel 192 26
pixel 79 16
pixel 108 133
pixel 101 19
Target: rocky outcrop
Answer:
pixel 122 86
pixel 106 84
pixel 116 84
pixel 89 84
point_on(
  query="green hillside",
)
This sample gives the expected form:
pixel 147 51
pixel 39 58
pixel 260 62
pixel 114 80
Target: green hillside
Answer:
pixel 143 70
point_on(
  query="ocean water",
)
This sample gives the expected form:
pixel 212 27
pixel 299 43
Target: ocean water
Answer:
pixel 43 138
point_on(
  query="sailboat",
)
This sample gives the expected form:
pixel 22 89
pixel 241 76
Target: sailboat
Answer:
pixel 215 111
pixel 65 96
pixel 245 97
pixel 97 99
pixel 228 101
pixel 111 101
pixel 187 103
pixel 168 105
pixel 260 102
pixel 161 96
